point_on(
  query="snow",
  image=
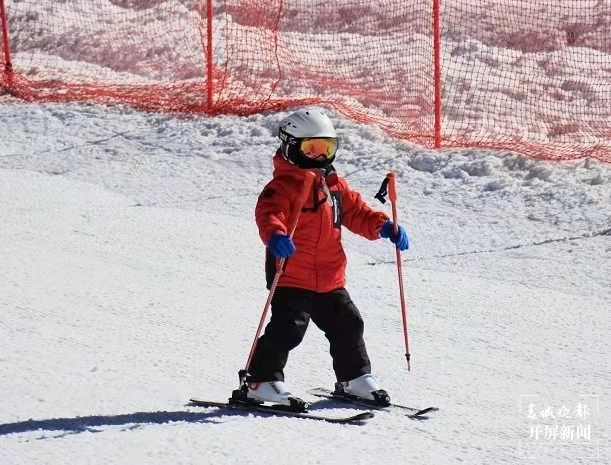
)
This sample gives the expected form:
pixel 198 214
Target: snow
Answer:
pixel 133 279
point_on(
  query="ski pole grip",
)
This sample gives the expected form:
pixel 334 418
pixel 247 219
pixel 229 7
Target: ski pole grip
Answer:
pixel 301 200
pixel 392 186
pixel 392 195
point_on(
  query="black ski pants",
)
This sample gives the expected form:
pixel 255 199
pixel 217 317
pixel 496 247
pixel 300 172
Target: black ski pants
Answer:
pixel 333 312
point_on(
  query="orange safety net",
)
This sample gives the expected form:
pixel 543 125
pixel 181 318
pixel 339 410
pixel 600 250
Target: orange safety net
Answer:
pixel 531 76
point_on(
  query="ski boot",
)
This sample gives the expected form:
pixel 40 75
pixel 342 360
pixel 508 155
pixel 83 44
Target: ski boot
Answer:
pixel 364 387
pixel 273 392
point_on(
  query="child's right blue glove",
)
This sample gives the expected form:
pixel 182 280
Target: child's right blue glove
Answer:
pixel 400 240
pixel 281 245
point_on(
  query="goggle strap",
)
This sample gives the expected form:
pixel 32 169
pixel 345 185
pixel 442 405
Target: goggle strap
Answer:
pixel 286 137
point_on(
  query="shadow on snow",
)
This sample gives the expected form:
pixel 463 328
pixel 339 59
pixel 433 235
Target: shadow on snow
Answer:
pixel 95 423
pixel 131 421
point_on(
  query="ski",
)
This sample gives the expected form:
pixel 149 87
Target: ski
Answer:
pixel 282 410
pixel 415 413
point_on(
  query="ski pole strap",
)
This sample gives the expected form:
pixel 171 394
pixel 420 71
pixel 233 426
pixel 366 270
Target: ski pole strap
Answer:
pixel 383 192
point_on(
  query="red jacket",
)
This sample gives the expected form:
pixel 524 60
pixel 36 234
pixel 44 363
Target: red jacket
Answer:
pixel 319 264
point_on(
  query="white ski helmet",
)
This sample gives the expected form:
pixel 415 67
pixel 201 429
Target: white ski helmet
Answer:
pixel 308 139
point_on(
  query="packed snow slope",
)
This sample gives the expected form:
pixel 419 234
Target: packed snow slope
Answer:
pixel 132 279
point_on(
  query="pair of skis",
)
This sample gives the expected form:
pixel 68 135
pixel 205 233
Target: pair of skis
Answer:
pixel 281 410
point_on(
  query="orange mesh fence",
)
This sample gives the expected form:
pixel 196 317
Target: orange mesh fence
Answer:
pixel 528 75
pixel 533 76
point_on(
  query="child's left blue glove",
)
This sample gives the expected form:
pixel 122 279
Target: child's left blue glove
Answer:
pixel 400 240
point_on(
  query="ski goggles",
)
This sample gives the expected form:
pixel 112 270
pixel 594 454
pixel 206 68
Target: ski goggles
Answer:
pixel 315 147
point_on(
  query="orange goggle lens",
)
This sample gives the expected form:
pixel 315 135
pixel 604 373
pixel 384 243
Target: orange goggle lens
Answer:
pixel 318 147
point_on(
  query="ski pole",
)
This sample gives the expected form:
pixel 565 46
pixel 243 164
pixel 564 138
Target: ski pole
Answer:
pixel 392 195
pixel 305 190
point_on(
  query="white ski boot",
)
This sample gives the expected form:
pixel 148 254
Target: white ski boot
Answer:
pixel 364 387
pixel 275 392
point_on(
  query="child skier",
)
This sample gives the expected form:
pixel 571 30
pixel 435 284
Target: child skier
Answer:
pixel 312 284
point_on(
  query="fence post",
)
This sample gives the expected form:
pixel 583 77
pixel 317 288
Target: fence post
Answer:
pixel 8 66
pixel 437 69
pixel 209 68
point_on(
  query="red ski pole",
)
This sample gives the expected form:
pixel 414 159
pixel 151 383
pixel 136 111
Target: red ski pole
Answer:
pixel 305 191
pixel 392 194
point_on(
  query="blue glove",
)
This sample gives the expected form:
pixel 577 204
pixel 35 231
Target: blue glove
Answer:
pixel 281 245
pixel 400 240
